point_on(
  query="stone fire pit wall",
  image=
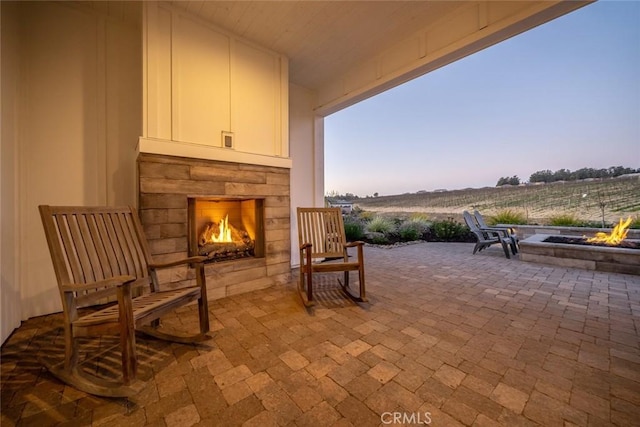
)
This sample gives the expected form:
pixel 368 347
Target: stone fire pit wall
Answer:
pixel 600 258
pixel 165 183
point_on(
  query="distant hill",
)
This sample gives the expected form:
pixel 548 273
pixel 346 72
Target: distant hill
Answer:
pixel 620 196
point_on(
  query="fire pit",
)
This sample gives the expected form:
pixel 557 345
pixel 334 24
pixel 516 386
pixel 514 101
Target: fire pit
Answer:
pixel 628 244
pixel 603 252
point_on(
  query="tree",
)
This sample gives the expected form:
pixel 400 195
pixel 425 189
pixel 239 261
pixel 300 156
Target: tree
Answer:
pixel 514 180
pixel 561 175
pixel 541 176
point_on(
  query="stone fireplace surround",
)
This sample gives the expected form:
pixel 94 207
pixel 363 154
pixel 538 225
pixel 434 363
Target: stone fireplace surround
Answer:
pixel 164 185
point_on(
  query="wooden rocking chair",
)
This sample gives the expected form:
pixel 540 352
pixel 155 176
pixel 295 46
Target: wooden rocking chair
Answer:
pixel 99 252
pixel 323 248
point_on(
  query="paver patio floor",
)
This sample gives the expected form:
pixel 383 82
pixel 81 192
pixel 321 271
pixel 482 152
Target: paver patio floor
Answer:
pixel 448 338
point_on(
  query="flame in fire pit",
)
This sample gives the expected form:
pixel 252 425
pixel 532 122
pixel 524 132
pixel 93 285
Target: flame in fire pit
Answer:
pixel 616 236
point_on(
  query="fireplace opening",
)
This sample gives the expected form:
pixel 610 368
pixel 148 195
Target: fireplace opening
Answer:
pixel 224 228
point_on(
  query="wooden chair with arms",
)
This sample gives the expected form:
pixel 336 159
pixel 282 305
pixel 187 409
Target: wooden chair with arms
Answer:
pixel 98 252
pixel 324 248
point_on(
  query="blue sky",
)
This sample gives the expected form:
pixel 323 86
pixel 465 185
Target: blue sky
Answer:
pixel 563 95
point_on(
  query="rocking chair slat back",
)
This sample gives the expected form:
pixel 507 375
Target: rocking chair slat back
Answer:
pixel 324 229
pixel 95 246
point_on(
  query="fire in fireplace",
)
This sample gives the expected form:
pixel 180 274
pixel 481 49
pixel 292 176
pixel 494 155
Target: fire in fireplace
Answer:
pixel 223 228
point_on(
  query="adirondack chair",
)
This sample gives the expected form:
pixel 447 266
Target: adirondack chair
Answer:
pixel 98 252
pixel 486 238
pixel 506 231
pixel 324 248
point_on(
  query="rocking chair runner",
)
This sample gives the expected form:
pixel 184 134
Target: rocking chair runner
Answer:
pixel 323 248
pixel 102 251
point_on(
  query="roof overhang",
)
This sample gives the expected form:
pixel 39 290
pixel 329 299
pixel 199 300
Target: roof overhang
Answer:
pixel 347 51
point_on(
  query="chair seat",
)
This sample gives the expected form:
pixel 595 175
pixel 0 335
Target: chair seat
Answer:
pixel 143 306
pixel 328 267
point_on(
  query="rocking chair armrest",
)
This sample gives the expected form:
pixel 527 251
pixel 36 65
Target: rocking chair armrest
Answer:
pixel 112 282
pixel 190 260
pixel 305 246
pixel 353 244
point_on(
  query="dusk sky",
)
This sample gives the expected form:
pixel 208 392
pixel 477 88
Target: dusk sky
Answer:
pixel 563 95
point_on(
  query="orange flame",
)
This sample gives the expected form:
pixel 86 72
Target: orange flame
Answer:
pixel 617 235
pixel 225 232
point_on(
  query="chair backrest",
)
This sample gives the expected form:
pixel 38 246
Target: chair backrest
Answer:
pixel 473 226
pixel 323 228
pixel 470 221
pixel 480 219
pixel 88 244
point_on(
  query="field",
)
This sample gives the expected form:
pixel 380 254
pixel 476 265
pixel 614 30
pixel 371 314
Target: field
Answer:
pixel 620 197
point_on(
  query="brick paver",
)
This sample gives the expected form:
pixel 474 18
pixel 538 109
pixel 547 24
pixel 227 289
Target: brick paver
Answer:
pixel 448 337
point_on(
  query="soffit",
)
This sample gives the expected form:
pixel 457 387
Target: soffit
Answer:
pixel 322 39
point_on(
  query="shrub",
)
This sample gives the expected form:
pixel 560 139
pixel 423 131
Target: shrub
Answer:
pixel 507 216
pixel 419 216
pixel 595 224
pixel 381 224
pixel 413 229
pixel 449 230
pixel 366 216
pixel 408 231
pixel 565 220
pixel 353 229
pixel 635 223
pixel 379 239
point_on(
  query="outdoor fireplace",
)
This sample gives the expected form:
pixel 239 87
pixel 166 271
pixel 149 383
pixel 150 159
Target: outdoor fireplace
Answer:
pixel 225 228
pixel 253 198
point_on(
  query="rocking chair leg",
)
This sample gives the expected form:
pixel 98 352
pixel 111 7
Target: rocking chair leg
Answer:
pixel 203 313
pixel 363 295
pixel 71 351
pixel 309 287
pixel 306 270
pixel 127 336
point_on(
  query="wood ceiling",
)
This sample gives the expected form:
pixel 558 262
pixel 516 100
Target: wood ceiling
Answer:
pixel 322 39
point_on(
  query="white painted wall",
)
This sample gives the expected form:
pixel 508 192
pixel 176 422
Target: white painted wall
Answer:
pixel 78 118
pixel 10 311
